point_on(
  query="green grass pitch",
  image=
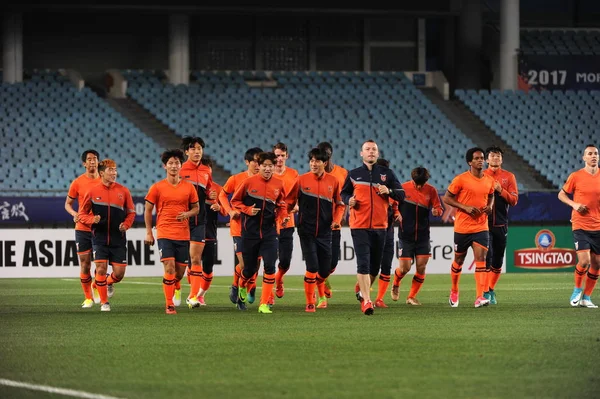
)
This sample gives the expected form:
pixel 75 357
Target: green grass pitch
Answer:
pixel 532 344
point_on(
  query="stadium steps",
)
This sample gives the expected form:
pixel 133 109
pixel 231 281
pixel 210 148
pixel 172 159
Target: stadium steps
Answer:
pixel 156 130
pixel 475 129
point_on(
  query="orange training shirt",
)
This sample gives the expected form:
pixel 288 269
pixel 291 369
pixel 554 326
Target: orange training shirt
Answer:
pixel 170 201
pixel 472 191
pixel 585 189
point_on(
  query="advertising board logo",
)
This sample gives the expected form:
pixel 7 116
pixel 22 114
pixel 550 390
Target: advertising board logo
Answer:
pixel 545 255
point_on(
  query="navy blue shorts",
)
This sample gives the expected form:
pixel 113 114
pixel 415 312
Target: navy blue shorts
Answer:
pixel 587 240
pixel 178 250
pixel 255 248
pixel 83 241
pixel 113 255
pixel 198 233
pixel 410 249
pixel 238 246
pixel 317 254
pixel 462 242
pixel 368 247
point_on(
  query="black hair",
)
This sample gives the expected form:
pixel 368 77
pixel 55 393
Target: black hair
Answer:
pixel 266 156
pixel 471 151
pixel 319 154
pixel 383 162
pixel 86 152
pixel 420 175
pixel 494 149
pixel 251 153
pixel 188 142
pixel 172 153
pixel 326 146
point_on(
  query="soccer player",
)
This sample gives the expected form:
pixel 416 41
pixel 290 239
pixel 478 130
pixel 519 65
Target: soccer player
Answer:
pixel 260 200
pixel 235 225
pixel 176 201
pixel 472 193
pixel 83 235
pixel 209 253
pixel 195 172
pixel 414 234
pixel 289 177
pixel 506 194
pixel 388 248
pixel 336 229
pixel 319 207
pixel 108 208
pixel 367 191
pixel 584 186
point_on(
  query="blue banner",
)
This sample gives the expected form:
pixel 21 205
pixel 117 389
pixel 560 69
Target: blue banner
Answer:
pixel 559 72
pixel 532 207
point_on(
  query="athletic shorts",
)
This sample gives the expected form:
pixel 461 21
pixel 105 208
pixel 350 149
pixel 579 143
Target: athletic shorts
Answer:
pixel 198 234
pixel 83 241
pixel 113 255
pixel 409 249
pixel 178 250
pixel 587 240
pixel 462 242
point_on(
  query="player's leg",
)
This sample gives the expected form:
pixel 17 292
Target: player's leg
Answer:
pixel 386 267
pixel 197 240
pixel 324 267
pixel 422 254
pixel 362 249
pixel 583 247
pixel 495 261
pixel 480 247
pixel 208 262
pixel 336 239
pixel 462 242
pixel 405 254
pixel 237 269
pixel 593 271
pixel 83 241
pixel 308 245
pixel 268 252
pixel 166 248
pixel 377 243
pixel 286 247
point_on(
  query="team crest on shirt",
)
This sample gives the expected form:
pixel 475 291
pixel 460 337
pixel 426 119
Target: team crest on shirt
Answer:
pixel 276 192
pixel 383 177
pixel 504 182
pixel 329 188
pixel 120 196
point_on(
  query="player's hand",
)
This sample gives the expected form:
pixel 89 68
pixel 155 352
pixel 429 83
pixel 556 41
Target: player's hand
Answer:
pixel 96 219
pixel 122 227
pixel 497 186
pixel 234 214
pixel 212 195
pixel 352 202
pixel 398 218
pixel 382 190
pixel 335 225
pixel 215 207
pixel 486 209
pixel 254 210
pixel 285 221
pixel 149 240
pixel 471 210
pixel 182 216
pixel 436 212
pixel 76 218
pixel 580 208
pixel 295 209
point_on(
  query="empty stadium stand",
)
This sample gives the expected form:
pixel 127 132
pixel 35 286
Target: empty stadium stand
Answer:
pixel 560 42
pixel 548 129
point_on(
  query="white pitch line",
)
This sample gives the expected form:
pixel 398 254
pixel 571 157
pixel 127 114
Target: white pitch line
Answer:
pixel 49 389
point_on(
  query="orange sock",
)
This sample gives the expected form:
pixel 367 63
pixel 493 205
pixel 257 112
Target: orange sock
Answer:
pixel 252 282
pixel 189 280
pixel 279 276
pixel 480 278
pixel 206 281
pixel 455 271
pixel 86 284
pixel 321 285
pixel 417 282
pixel 492 278
pixel 195 280
pixel 237 274
pixel 102 289
pixel 398 276
pixel 267 288
pixel 590 283
pixel 169 288
pixel 382 285
pixel 310 280
pixel 112 279
pixel 177 284
pixel 579 274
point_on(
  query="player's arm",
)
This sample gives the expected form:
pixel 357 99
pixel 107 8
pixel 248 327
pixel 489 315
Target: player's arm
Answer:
pixel 511 192
pixel 563 196
pixel 85 214
pixel 194 210
pixel 347 193
pixel 339 208
pixel 69 208
pixel 489 205
pixel 436 206
pixel 237 201
pixel 130 209
pixel 450 199
pixel 148 208
pixel 224 201
pixel 396 191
